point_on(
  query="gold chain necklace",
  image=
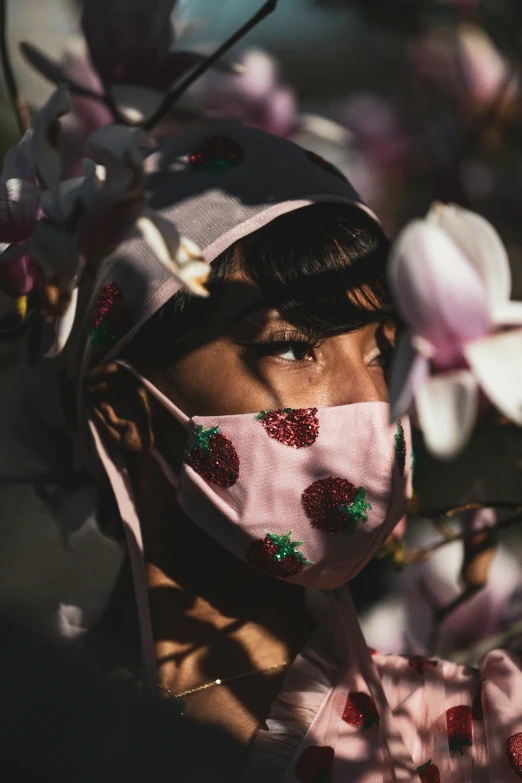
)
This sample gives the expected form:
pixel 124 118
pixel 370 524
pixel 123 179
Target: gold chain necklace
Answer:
pixel 179 695
pixel 223 682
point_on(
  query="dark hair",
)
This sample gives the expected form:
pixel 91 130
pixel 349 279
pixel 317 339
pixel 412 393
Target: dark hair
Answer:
pixel 304 263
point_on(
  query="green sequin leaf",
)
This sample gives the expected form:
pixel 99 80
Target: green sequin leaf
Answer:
pixel 356 511
pixel 200 438
pixel 287 548
pixel 100 335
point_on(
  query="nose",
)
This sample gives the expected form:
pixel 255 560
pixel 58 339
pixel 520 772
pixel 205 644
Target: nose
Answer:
pixel 361 385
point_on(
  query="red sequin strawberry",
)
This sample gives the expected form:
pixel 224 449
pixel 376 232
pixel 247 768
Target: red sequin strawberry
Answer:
pixel 335 505
pixel 315 764
pixel 277 556
pixel 111 318
pixel 429 773
pixel 418 663
pixel 297 427
pixel 213 456
pixel 459 726
pixel 360 710
pixel 514 753
pixel 217 154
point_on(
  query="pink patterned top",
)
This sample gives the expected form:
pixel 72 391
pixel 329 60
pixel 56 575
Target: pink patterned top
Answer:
pixel 348 714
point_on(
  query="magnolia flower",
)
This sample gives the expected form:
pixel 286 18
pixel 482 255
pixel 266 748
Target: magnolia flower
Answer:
pixel 479 72
pixel 451 281
pixel 122 66
pixel 256 95
pixel 402 621
pixel 87 217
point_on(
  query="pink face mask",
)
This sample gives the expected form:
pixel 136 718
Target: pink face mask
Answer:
pixel 305 495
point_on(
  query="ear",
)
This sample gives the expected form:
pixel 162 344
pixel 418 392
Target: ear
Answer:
pixel 121 406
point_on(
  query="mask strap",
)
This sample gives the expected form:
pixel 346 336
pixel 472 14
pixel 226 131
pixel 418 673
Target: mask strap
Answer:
pixel 400 766
pixel 119 479
pixel 168 404
pixel 178 414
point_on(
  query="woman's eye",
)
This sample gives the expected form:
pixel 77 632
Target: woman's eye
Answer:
pixel 382 359
pixel 297 352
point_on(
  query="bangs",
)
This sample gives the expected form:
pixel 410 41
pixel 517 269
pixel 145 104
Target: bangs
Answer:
pixel 322 267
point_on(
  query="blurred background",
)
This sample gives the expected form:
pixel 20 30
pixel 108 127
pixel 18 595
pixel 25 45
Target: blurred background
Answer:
pixel 414 100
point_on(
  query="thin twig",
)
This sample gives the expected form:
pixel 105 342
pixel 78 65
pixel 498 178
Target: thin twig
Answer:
pixel 18 103
pixel 451 511
pixel 417 556
pixel 172 95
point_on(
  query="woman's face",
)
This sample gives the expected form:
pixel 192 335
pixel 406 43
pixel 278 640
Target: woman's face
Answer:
pixel 260 361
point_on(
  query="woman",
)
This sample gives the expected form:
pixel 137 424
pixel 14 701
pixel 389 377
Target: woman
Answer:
pixel 246 437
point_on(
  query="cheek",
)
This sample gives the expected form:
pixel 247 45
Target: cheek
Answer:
pixel 214 380
pixel 380 382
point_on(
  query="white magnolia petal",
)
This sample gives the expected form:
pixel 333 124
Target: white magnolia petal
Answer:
pixel 194 275
pixel 180 256
pixel 188 252
pixel 63 327
pixel 409 369
pixel 134 102
pixel 496 362
pixel 151 231
pixel 46 151
pixel 481 244
pixel 447 410
pixel 507 314
pixel 116 145
pixel 56 251
pixel 75 194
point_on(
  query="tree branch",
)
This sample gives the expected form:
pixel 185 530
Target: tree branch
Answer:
pixel 417 556
pixel 172 95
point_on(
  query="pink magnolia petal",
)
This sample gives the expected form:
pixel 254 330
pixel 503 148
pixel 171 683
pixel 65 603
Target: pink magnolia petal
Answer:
pixel 19 208
pixel 18 276
pixel 447 410
pixel 439 293
pixel 496 362
pixel 409 369
pixel 481 244
pixel 127 38
pixel 77 65
pixel 281 113
pixel 19 161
